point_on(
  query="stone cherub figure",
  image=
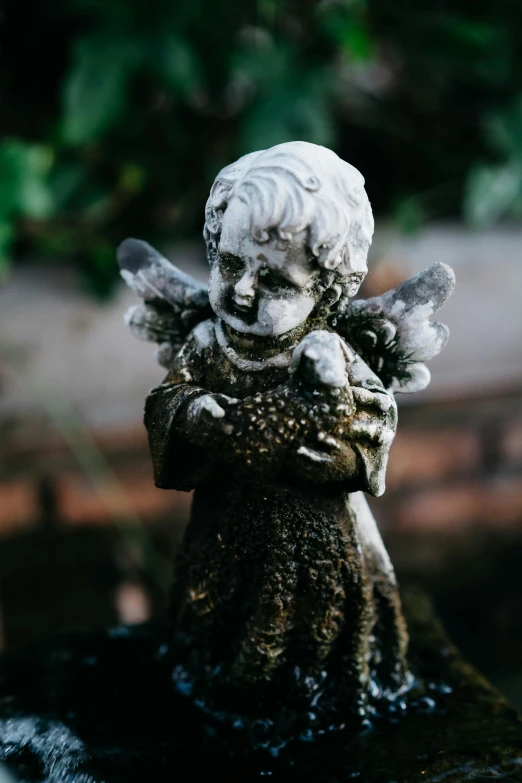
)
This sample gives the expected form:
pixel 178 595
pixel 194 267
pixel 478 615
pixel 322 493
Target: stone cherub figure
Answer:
pixel 278 409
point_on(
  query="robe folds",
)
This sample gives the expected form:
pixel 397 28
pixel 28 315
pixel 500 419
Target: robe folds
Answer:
pixel 276 584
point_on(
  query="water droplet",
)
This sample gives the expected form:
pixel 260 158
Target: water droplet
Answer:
pixel 307 735
pixel 162 651
pixel 260 727
pixel 375 691
pixel 426 704
pixel 366 727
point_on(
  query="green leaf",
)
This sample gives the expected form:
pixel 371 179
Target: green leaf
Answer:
pixel 132 178
pixel 96 88
pixel 267 10
pixel 35 199
pixel 346 24
pixel 177 64
pixel 6 237
pixel 503 130
pixel 98 273
pixel 492 193
pixel 24 187
pixel 470 32
pixel 117 13
pixel 265 64
pixel 286 115
pixel 61 241
pixel 409 214
pixel 66 181
pixel 357 42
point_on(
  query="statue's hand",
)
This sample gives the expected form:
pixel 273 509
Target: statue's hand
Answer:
pixel 205 407
pixel 375 418
pixel 206 416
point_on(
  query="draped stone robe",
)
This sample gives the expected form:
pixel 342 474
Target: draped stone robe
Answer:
pixel 282 583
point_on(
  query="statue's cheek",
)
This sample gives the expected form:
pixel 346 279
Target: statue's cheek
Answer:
pixel 216 287
pixel 284 313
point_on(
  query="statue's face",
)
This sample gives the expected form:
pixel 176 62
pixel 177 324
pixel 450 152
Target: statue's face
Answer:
pixel 262 288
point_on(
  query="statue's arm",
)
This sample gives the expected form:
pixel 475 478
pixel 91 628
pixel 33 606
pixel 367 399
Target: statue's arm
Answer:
pixel 305 429
pixel 319 436
pixel 180 413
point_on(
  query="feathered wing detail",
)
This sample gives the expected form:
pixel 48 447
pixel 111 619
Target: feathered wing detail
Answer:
pixel 393 333
pixel 173 302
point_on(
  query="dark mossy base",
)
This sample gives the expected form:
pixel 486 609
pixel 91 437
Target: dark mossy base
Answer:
pixel 100 708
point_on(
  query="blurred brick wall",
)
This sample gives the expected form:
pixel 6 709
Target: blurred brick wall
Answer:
pixel 75 544
pixel 456 465
pixel 41 481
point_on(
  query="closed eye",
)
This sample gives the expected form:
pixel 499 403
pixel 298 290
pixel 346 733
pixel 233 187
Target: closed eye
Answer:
pixel 272 279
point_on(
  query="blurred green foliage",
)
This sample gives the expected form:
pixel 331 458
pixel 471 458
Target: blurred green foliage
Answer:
pixel 117 114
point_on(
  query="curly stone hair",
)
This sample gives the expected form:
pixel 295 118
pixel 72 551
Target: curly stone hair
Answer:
pixel 296 186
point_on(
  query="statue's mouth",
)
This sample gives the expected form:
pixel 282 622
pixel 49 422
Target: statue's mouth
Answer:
pixel 245 313
pixel 242 308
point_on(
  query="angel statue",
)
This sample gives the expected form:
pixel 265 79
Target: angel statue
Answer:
pixel 278 409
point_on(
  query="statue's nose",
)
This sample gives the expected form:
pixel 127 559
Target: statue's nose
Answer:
pixel 245 288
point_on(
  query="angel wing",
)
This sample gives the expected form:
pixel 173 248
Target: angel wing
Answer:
pixel 173 302
pixel 393 333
